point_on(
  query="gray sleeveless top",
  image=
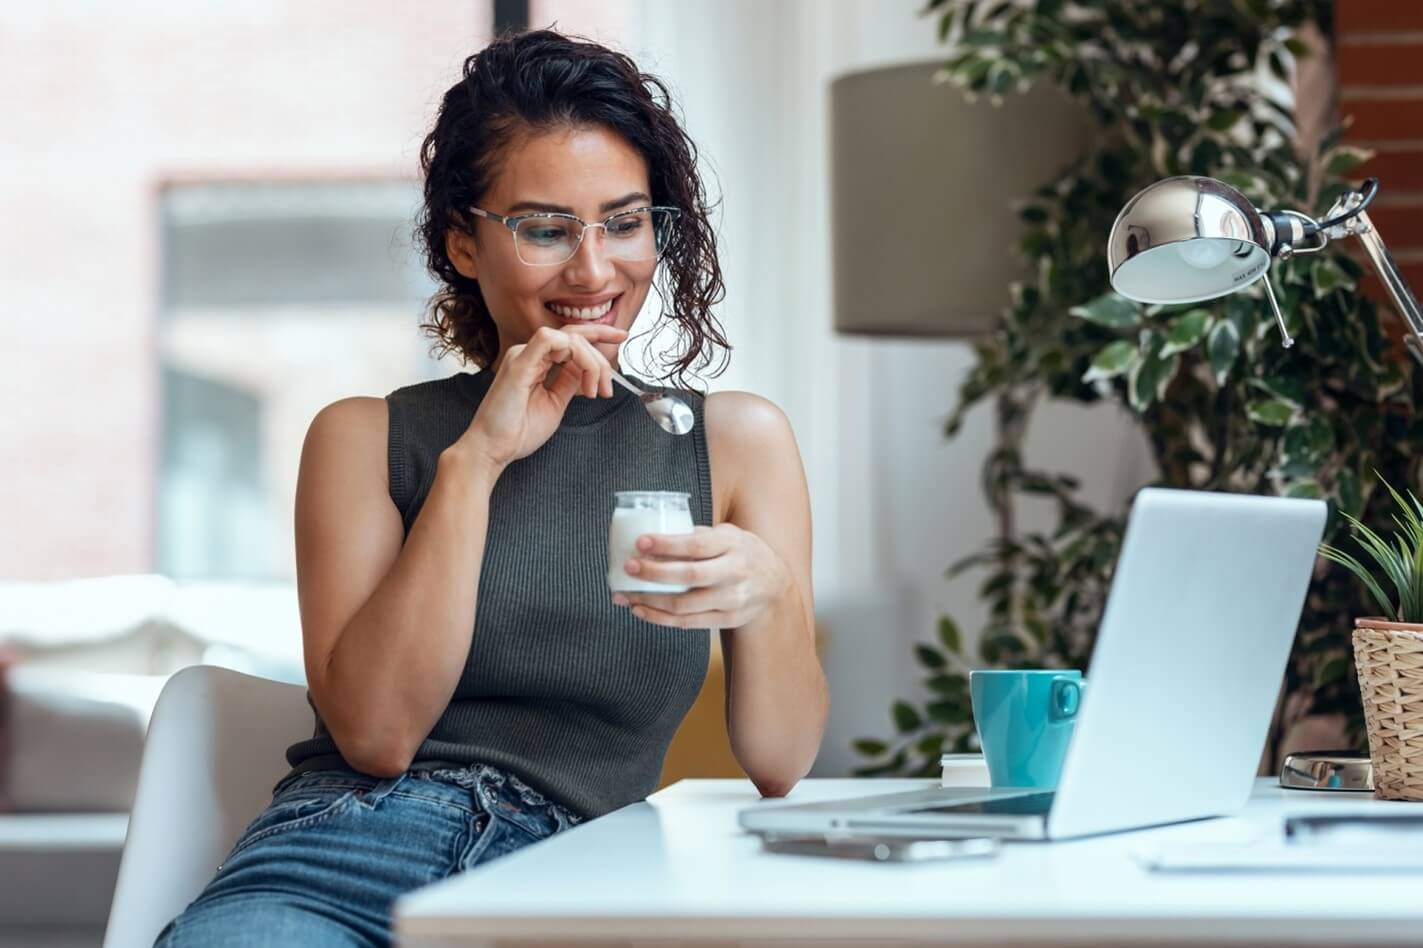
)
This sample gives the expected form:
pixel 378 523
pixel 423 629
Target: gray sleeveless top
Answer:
pixel 563 689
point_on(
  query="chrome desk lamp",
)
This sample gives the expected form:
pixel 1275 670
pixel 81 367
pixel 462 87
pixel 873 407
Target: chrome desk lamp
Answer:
pixel 1191 238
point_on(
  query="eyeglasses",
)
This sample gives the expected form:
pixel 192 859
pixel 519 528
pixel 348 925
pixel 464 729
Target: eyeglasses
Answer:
pixel 547 240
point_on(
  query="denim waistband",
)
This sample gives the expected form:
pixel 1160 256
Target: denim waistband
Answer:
pixel 472 776
pixel 467 776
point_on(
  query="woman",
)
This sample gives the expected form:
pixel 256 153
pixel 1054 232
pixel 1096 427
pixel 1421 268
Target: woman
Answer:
pixel 476 686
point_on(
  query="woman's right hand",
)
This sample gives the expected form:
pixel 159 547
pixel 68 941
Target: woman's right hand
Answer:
pixel 532 387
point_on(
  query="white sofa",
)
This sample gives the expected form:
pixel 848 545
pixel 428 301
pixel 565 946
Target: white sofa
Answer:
pixel 84 662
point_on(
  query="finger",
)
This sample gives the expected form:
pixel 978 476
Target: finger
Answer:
pixel 546 348
pixel 603 382
pixel 701 544
pixel 591 361
pixel 692 573
pixel 574 357
pixel 607 335
pixel 597 332
pixel 697 620
pixel 710 599
pixel 564 384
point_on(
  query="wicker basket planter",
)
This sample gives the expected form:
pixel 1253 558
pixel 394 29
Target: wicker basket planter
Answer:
pixel 1389 658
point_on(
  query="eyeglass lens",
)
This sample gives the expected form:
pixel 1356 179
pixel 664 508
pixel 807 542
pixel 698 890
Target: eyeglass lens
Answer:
pixel 636 235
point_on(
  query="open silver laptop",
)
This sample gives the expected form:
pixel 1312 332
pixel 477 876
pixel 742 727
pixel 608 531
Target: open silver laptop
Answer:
pixel 1189 656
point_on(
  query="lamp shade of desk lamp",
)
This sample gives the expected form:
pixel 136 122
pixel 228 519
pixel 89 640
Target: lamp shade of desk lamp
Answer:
pixel 1187 239
pixel 924 185
pixel 1192 238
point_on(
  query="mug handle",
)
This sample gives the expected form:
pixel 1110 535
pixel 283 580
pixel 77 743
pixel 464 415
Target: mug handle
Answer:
pixel 1065 699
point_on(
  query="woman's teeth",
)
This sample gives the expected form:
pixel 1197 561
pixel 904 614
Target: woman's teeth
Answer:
pixel 582 312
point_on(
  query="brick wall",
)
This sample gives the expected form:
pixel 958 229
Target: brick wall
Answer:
pixel 1379 52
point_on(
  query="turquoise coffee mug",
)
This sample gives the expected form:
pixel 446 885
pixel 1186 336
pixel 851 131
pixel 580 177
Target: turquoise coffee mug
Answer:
pixel 1025 721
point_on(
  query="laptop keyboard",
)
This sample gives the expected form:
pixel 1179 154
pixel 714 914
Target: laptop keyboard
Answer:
pixel 1029 804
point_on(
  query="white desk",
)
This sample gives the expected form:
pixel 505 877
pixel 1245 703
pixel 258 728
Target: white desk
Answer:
pixel 677 869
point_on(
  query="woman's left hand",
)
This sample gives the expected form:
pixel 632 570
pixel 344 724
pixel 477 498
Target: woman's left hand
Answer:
pixel 732 577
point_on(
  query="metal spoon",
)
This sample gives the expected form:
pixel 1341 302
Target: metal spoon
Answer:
pixel 671 413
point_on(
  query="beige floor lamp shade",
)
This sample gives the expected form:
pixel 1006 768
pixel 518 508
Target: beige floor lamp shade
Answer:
pixel 924 186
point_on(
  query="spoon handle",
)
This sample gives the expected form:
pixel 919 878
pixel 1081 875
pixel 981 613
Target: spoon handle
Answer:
pixel 626 384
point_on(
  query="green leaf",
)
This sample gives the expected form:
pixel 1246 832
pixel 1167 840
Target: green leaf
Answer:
pixel 1001 79
pixel 1331 671
pixel 1328 276
pixel 1150 377
pixel 1321 436
pixel 1340 161
pixel 1185 331
pixel 1361 573
pixel 1112 361
pixel 1270 411
pixel 929 656
pixel 984 38
pixel 1307 489
pixel 1222 119
pixel 1296 445
pixel 1347 490
pixel 949 712
pixel 1223 345
pixel 1110 310
pixel 869 747
pixel 1283 387
pixel 894 766
pixel 948 684
pixel 1004 645
pixel 931 745
pixel 949 635
pixel 906 719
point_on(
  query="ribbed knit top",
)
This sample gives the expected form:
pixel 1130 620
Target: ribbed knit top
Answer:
pixel 568 692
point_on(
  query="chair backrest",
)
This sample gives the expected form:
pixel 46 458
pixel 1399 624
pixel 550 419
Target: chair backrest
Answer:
pixel 212 755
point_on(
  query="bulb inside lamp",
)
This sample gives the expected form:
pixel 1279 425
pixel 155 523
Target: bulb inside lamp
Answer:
pixel 1205 254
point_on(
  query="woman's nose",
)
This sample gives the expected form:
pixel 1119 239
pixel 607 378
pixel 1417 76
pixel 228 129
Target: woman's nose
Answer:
pixel 589 265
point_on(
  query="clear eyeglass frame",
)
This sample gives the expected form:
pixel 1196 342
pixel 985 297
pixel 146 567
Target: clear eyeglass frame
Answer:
pixel 662 221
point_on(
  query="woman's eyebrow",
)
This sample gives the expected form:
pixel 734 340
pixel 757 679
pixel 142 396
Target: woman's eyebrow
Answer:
pixel 606 206
pixel 637 196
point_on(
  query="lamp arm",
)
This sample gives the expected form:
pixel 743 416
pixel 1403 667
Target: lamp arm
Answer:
pixel 1403 299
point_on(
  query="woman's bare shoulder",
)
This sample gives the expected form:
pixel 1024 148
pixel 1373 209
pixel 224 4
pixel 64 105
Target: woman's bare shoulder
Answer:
pixel 746 421
pixel 352 421
pixel 749 441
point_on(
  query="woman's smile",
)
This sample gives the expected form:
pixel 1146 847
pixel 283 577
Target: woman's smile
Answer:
pixel 601 309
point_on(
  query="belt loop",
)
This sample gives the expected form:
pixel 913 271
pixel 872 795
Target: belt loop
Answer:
pixel 382 790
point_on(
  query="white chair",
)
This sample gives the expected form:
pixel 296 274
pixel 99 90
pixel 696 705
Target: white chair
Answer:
pixel 212 755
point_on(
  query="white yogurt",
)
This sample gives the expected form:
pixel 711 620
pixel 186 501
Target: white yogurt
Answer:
pixel 638 513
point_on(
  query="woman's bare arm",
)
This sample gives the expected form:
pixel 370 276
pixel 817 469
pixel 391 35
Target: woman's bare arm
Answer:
pixel 386 626
pixel 776 697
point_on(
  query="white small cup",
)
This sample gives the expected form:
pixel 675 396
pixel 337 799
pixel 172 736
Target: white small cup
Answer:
pixel 636 513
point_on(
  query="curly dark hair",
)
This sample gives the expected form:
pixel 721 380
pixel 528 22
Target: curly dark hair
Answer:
pixel 542 80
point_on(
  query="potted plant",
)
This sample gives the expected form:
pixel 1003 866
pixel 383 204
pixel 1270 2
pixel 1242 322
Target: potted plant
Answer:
pixel 1388 650
pixel 1176 89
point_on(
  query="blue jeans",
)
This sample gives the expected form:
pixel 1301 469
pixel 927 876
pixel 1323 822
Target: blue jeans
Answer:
pixel 321 865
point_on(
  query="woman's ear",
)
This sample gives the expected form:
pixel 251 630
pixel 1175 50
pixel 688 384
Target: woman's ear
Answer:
pixel 459 247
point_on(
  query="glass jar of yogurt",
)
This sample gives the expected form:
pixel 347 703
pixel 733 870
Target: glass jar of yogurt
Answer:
pixel 636 513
